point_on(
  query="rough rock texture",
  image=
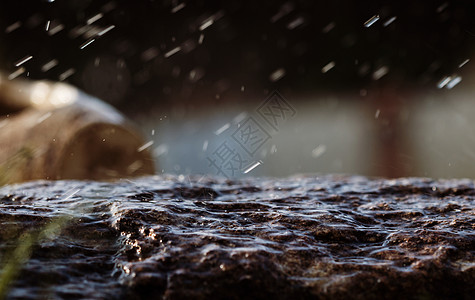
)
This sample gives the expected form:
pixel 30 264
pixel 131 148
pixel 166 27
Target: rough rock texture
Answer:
pixel 325 237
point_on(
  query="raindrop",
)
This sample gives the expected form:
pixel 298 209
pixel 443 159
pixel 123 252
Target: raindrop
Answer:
pixel 237 119
pixel 222 129
pixel 277 75
pixel 452 83
pixel 178 7
pixel 443 82
pixel 464 63
pixel 388 22
pixel 66 74
pixel 252 167
pixel 196 74
pixel 328 67
pixel 207 23
pixel 94 18
pixel 376 115
pixel 87 43
pixel 319 151
pixel 106 30
pixel 55 29
pixel 49 65
pixel 295 23
pixel 173 51
pixel 442 7
pixel 379 73
pixel 44 117
pixel 149 54
pixel 16 73
pixel 13 27
pixel 371 21
pixel 23 60
pixel 284 10
pixel 145 146
pixel 160 150
pixel 329 27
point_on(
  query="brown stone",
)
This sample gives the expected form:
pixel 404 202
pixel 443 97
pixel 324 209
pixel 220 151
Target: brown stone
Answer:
pixel 54 131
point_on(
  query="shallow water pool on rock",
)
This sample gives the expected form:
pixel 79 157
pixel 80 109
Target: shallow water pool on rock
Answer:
pixel 326 237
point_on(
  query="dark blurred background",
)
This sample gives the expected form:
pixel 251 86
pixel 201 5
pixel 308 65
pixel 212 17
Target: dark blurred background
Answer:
pixel 185 69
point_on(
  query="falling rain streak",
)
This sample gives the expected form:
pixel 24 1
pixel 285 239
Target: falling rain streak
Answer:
pixel 3 123
pixel 173 51
pixel 206 24
pixel 23 60
pixel 377 113
pixel 44 117
pixel 149 54
pixel 388 22
pixel 277 75
pixel 16 73
pixel 328 67
pixel 449 82
pixel 94 19
pixel 443 82
pixel 371 21
pixel 252 167
pixel 106 30
pixel 66 74
pixel 453 82
pixel 328 28
pixel 295 23
pixel 284 10
pixel 380 72
pixel 87 43
pixel 49 65
pixel 145 146
pixel 160 150
pixel 319 151
pixel 69 194
pixel 54 30
pixel 178 8
pixel 464 63
pixel 222 129
pixel 237 119
pixel 13 27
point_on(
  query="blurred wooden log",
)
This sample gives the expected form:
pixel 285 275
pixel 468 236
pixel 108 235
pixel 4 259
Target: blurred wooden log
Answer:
pixel 58 132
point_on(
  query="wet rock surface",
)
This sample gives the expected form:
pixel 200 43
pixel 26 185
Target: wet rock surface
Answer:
pixel 304 237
